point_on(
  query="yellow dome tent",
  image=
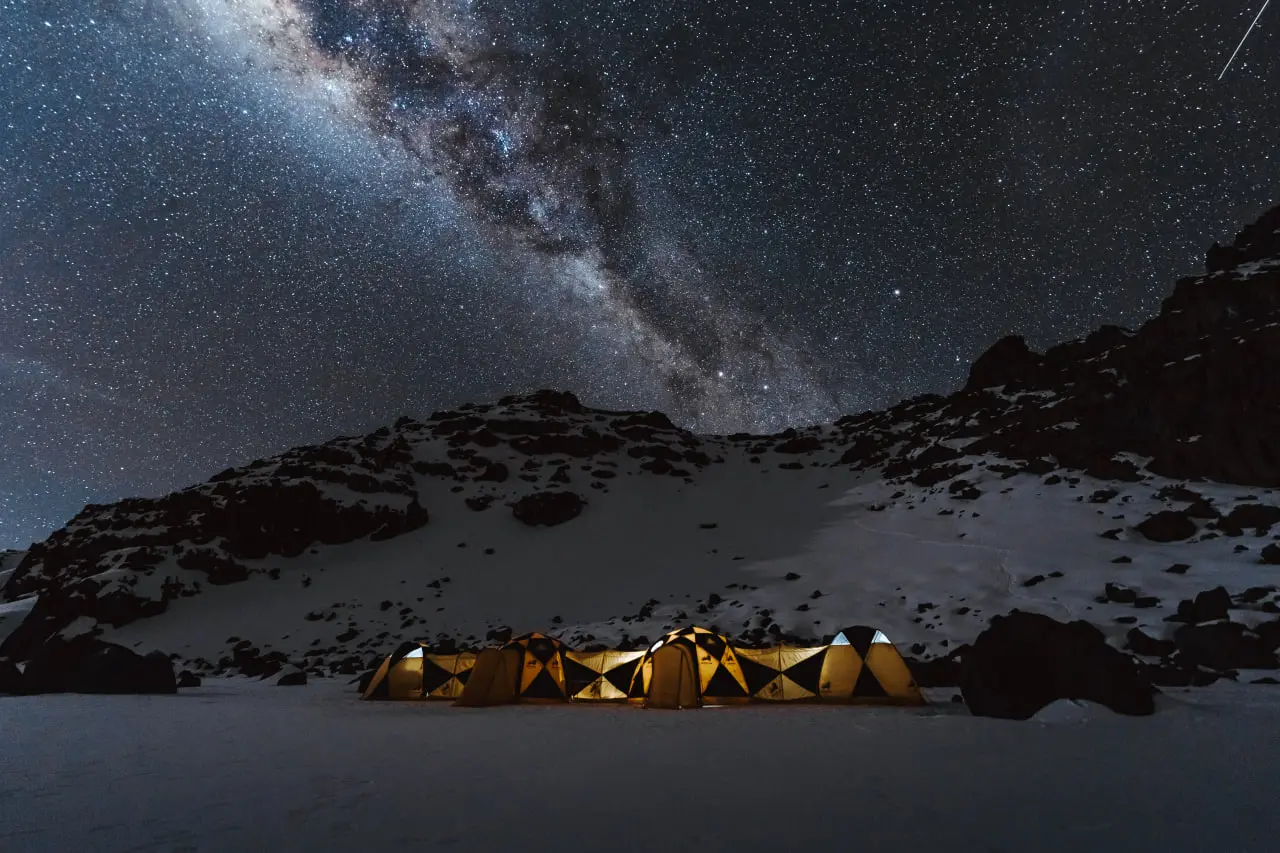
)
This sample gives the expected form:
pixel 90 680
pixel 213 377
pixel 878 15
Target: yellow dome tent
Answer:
pixel 530 668
pixel 684 669
pixel 414 672
pixel 719 677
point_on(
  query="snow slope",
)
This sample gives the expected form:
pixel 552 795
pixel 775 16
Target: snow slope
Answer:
pixel 928 568
pixel 308 769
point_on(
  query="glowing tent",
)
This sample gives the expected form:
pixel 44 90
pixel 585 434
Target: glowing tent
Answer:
pixel 414 672
pixel 685 669
pixel 530 668
pixel 719 677
pixel 603 676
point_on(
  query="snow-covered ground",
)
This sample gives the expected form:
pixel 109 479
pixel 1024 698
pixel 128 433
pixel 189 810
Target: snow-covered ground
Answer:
pixel 244 766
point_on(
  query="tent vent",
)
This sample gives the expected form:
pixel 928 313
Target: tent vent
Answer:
pixel 416 653
pixel 880 638
pixel 656 646
pixel 842 640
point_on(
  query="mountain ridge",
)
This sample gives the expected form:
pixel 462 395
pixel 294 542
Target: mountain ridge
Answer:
pixel 1184 399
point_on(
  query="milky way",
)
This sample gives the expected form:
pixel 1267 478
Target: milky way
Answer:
pixel 232 226
pixel 516 123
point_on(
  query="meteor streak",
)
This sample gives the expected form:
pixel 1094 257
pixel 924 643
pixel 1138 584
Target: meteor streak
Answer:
pixel 1243 40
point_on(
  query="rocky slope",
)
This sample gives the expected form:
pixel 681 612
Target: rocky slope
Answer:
pixel 1165 432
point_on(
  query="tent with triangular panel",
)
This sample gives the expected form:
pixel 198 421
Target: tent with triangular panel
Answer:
pixel 413 671
pixel 541 664
pixel 720 678
pixel 600 676
pixel 862 666
pixel 783 673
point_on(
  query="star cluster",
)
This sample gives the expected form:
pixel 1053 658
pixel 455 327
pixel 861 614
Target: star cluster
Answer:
pixel 232 226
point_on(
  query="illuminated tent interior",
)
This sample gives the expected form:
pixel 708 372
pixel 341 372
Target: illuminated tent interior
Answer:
pixel 687 668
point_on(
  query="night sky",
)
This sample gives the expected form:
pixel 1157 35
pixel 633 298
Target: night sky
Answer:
pixel 232 226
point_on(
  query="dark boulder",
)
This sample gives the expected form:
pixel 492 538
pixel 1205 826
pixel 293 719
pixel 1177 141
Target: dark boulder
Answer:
pixel 1270 555
pixel 1119 593
pixel 1144 644
pixel 494 472
pixel 547 509
pixel 86 664
pixel 187 678
pixel 1168 526
pixel 1223 646
pixel 1025 661
pixel 1178 674
pixel 1257 518
pixel 10 679
pixel 1210 605
pixel 1269 634
pixel 297 678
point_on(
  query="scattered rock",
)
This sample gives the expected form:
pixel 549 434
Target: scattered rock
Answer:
pixel 1120 594
pixel 548 509
pixel 1256 517
pixel 1143 644
pixel 1223 646
pixel 296 678
pixel 187 678
pixel 1207 606
pixel 1168 526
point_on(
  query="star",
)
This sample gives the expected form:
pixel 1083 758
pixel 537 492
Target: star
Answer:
pixel 230 227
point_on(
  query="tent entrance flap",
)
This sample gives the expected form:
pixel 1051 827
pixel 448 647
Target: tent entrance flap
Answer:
pixel 493 679
pixel 674 682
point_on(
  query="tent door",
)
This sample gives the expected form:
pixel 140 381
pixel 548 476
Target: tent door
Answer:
pixel 493 680
pixel 674 682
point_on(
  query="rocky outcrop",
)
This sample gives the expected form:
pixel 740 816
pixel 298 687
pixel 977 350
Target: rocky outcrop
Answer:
pixel 1255 243
pixel 89 665
pixel 1009 363
pixel 1024 661
pixel 113 564
pixel 1188 395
